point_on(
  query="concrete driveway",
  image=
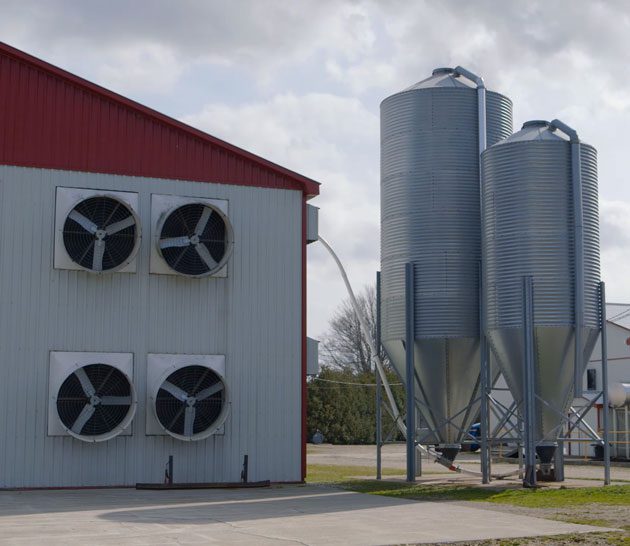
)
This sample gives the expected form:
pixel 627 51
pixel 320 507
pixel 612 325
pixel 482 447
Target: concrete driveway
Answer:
pixel 278 515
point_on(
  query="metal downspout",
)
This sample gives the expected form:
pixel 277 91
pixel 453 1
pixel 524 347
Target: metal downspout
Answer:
pixel 578 242
pixel 485 380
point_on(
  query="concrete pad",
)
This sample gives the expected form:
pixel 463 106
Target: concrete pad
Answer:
pixel 309 515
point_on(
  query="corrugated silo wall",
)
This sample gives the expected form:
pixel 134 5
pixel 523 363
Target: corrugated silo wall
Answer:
pixel 253 317
pixel 430 206
pixel 528 196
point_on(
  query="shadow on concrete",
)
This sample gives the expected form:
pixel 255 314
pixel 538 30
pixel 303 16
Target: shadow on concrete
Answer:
pixel 198 506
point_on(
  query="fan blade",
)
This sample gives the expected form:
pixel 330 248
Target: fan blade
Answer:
pixel 84 417
pixel 203 221
pixel 119 226
pixel 175 391
pixel 189 420
pixel 116 400
pixel 99 250
pixel 204 253
pixel 88 388
pixel 174 241
pixel 206 393
pixel 84 222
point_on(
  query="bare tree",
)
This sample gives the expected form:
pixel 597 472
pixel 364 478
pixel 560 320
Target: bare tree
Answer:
pixel 343 345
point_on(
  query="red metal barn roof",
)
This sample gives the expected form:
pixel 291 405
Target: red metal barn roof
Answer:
pixel 52 119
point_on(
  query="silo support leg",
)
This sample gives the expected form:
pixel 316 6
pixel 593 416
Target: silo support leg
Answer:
pixel 409 372
pixel 378 401
pixel 529 479
pixel 559 462
pixel 484 387
pixel 605 403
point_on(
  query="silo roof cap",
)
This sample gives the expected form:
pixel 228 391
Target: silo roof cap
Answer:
pixel 536 129
pixel 443 77
pixel 536 123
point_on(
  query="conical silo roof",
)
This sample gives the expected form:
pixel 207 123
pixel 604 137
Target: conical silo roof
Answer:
pixel 442 77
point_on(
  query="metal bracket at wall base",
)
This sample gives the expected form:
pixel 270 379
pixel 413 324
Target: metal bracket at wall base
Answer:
pixel 244 472
pixel 168 473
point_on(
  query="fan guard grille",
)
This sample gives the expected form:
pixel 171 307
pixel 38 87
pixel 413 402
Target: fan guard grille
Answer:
pixel 190 401
pixel 94 400
pixel 100 234
pixel 194 239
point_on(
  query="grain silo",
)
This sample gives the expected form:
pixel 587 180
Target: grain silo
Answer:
pixel 540 221
pixel 430 217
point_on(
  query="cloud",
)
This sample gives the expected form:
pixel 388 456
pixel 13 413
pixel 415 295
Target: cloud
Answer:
pixel 172 36
pixel 615 249
pixel 301 82
pixel 333 140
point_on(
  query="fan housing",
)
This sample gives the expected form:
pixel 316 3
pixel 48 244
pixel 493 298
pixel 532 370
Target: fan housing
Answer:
pixel 96 231
pixel 192 237
pixel 188 394
pixel 92 396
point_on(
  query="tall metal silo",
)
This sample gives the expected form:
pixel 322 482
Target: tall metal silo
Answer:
pixel 540 220
pixel 430 217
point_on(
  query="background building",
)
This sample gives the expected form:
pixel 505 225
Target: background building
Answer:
pixel 162 264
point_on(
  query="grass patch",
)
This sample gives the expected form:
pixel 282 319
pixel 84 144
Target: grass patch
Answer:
pixel 328 473
pixel 615 495
pixel 618 495
pixel 585 521
pixel 345 476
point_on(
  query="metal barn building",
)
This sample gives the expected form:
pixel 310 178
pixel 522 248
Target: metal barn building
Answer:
pixel 152 293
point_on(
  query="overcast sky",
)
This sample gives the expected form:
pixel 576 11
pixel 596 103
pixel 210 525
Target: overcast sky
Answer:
pixel 300 83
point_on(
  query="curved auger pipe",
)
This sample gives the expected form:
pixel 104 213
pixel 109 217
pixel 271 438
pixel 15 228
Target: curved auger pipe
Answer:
pixel 439 458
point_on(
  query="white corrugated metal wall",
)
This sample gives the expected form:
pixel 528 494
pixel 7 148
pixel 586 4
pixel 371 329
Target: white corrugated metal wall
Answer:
pixel 253 317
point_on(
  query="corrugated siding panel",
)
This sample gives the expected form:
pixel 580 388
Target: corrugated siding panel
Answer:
pixel 253 317
pixel 528 230
pixel 430 212
pixel 57 121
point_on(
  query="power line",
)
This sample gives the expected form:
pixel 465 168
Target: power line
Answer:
pixel 351 383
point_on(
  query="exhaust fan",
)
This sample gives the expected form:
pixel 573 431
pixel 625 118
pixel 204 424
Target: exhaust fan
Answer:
pixel 188 395
pixel 191 236
pixel 91 395
pixel 96 231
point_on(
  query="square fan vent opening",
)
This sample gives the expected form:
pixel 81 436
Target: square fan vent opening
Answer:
pixel 91 396
pixel 187 396
pixel 97 231
pixel 190 236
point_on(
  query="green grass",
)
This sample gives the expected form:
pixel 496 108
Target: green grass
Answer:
pixel 345 476
pixel 328 473
pixel 618 495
